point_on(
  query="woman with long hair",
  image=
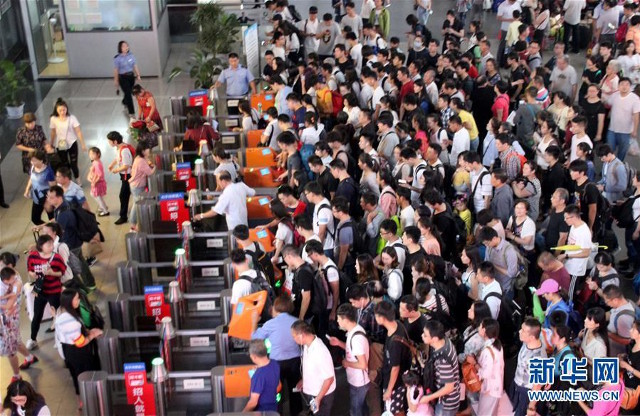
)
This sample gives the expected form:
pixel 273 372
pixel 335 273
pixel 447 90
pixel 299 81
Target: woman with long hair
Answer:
pixel 490 366
pixel 197 130
pixel 41 178
pixel 75 339
pixel 421 268
pixel 65 135
pixel 351 108
pixel 391 275
pixel 544 139
pixel 366 269
pixel 148 108
pixel 594 337
pixel 629 62
pixel 22 399
pixel 388 202
pixel 141 169
pixel 529 189
pixel 369 179
pixel 489 150
pixel 284 230
pixel 419 124
pixel 431 242
pixel 470 257
pixel 224 162
pixel 49 266
pixel 125 74
pixel 249 117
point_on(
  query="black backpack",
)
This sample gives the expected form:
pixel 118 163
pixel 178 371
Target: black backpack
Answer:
pixel 429 373
pixel 510 318
pixel 352 165
pixel 345 282
pixel 320 293
pixel 87 225
pixel 623 213
pixel 358 244
pixel 262 262
pixel 258 284
pixel 294 13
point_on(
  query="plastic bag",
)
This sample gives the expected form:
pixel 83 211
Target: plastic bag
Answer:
pixel 634 148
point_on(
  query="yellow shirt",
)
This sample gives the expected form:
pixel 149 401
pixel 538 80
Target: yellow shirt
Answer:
pixel 470 123
pixel 325 104
pixel 466 217
pixel 512 33
pixel 461 181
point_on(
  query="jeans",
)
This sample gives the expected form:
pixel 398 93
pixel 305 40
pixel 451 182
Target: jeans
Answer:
pixel 575 39
pixel 519 399
pixel 439 411
pixel 501 47
pixel 70 156
pixel 358 397
pixel 423 16
pixel 473 144
pixel 39 303
pixel 136 192
pixel 619 141
pixel 125 194
pixel 87 276
pixel 126 82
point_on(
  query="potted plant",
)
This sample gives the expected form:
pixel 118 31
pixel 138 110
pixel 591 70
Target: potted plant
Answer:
pixel 12 84
pixel 217 32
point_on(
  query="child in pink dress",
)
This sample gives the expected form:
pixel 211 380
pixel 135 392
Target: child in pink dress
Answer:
pixel 96 178
pixel 415 392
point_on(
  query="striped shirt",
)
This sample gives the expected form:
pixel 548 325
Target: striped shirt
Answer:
pixel 446 366
pixel 37 263
pixel 69 330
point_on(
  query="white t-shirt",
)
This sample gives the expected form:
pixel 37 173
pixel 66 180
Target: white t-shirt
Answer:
pixel 324 216
pixel 356 346
pixel 65 131
pixel 461 143
pixel 284 233
pixel 493 302
pixel 242 287
pixel 572 9
pixel 400 251
pixel 317 366
pixel 310 42
pixel 68 329
pixel 233 204
pixel 636 208
pixel 331 272
pixel 505 10
pixel 482 189
pixel 356 55
pixel 365 9
pixel 378 93
pixel 407 216
pixel 580 236
pixel 574 145
pixel 622 111
pixel 394 283
pixel 528 230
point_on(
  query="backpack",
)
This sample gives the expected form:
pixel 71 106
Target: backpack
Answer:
pixel 352 165
pixel 604 210
pixel 575 321
pixel 521 158
pixel 258 284
pixel 522 275
pixel 429 373
pixel 298 240
pixel 510 319
pixel 460 230
pixel 621 32
pixel 358 244
pixel 87 225
pixel 623 213
pixel 631 173
pixel 294 13
pixel 261 261
pixel 345 282
pixel 336 103
pixel 320 294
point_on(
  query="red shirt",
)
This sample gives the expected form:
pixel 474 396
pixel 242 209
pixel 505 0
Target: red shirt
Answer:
pixel 405 90
pixel 300 209
pixel 501 102
pixel 473 72
pixel 36 263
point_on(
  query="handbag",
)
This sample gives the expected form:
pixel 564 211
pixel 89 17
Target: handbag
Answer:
pixel 629 399
pixel 470 377
pixel 62 143
pixel 38 285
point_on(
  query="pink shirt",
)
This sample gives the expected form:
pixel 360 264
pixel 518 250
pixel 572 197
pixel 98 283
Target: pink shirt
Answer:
pixel 98 170
pixel 607 408
pixel 139 173
pixel 491 371
pixel 388 203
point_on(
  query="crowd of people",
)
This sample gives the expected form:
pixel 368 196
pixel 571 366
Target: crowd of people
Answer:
pixel 445 215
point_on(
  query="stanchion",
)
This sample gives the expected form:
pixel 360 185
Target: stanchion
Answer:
pixel 176 300
pixel 160 378
pixel 109 351
pixel 94 393
pixel 119 312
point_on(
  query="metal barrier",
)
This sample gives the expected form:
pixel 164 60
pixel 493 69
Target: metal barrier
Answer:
pixel 190 392
pixel 203 246
pixel 188 310
pixel 200 276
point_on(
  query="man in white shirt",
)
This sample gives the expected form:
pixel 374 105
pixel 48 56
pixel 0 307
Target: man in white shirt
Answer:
pixel 487 284
pixel 323 221
pixel 242 286
pixel 330 271
pixel 575 261
pixel 318 375
pixel 572 10
pixel 365 10
pixel 461 141
pixel 431 87
pixel 625 117
pixel 371 80
pixel 406 210
pixel 352 20
pixel 481 189
pixel 232 203
pixel 418 166
pixel 309 27
pixel 355 51
pixel 505 17
pixel 356 361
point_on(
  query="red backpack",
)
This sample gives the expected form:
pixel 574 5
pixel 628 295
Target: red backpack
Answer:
pixel 298 239
pixel 621 33
pixel 337 102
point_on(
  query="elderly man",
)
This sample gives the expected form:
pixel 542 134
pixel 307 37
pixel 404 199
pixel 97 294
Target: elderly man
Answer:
pixel 564 78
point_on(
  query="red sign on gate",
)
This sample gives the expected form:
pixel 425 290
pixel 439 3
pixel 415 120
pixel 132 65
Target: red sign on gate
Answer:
pixel 172 208
pixel 154 303
pixel 139 393
pixel 199 98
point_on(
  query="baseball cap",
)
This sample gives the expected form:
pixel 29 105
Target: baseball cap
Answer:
pixel 548 286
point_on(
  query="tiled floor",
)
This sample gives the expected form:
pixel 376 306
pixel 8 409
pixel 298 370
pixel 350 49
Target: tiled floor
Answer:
pixel 99 111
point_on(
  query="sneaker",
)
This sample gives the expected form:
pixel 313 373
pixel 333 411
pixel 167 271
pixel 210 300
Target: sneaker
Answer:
pixel 103 213
pixel 120 221
pixel 27 363
pixel 91 260
pixel 32 345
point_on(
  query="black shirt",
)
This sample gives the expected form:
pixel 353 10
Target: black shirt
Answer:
pixel 594 77
pixel 516 75
pixel 456 25
pixel 302 281
pixel 349 189
pixel 445 223
pixel 415 328
pixel 328 183
pixel 585 195
pixel 555 178
pixel 591 112
pixel 344 66
pixel 431 61
pixel 395 354
pixel 555 226
pixel 466 85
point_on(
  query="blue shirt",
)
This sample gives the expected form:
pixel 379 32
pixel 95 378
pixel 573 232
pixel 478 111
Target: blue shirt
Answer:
pixel 124 63
pixel 560 306
pixel 265 383
pixel 40 183
pixel 281 101
pixel 67 220
pixel 237 80
pixel 564 355
pixel 278 331
pixel 74 195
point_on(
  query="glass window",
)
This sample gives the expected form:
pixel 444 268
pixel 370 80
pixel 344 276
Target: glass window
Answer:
pixel 9 30
pixel 160 6
pixel 107 15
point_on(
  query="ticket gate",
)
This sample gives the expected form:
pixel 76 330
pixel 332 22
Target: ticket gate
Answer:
pixel 221 391
pixel 211 276
pixel 188 310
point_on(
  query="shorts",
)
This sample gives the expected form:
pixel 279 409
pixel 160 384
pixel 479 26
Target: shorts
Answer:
pixel 399 400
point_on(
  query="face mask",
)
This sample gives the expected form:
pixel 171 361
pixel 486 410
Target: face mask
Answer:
pixel 417 44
